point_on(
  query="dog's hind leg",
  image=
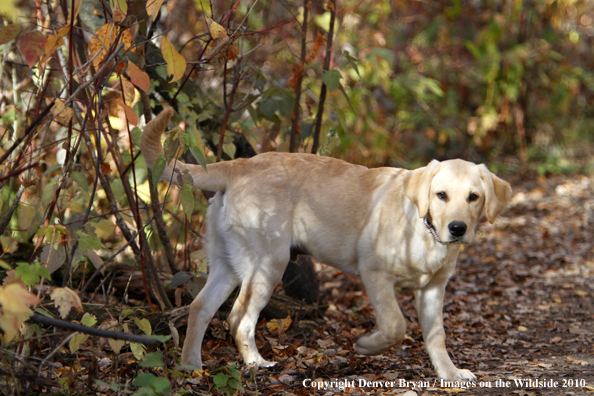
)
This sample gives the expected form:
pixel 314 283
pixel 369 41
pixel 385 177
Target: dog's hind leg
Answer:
pixel 256 288
pixel 219 285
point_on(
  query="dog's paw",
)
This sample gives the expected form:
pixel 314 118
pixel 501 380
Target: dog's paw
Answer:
pixel 260 363
pixel 373 344
pixel 458 375
pixel 192 365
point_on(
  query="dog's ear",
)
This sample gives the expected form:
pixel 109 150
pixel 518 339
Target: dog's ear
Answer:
pixel 417 186
pixel 497 193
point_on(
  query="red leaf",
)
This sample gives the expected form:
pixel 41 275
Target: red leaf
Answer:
pixel 32 46
pixel 9 33
pixel 138 77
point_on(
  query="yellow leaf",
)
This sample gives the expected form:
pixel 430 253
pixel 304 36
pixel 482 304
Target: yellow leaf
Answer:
pixel 144 325
pixel 63 115
pixel 55 40
pixel 14 299
pixel 76 341
pixel 26 215
pixel 9 8
pixel 153 7
pixel 65 299
pixel 176 63
pixel 123 6
pixel 277 326
pixel 103 39
pixel 216 30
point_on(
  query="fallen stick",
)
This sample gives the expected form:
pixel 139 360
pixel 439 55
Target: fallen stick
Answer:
pixel 93 331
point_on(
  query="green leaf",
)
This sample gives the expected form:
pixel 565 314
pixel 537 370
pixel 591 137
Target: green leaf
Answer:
pixel 229 149
pixel 332 79
pixel 220 379
pixel 76 341
pixel 352 61
pixel 81 180
pixel 162 338
pixel 144 325
pixel 138 350
pixel 48 192
pixel 31 273
pixel 158 169
pixel 86 241
pixel 170 146
pixel 153 359
pixel 89 320
pixel 144 379
pixel 161 385
pixel 197 148
pixel 346 97
pixel 187 200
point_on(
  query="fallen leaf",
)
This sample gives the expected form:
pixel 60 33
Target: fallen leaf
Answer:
pixel 277 326
pixel 65 299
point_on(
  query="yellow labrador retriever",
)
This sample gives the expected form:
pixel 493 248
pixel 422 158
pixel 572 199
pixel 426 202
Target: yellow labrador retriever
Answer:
pixel 392 227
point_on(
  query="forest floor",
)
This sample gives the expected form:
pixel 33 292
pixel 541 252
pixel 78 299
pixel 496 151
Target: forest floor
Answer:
pixel 520 307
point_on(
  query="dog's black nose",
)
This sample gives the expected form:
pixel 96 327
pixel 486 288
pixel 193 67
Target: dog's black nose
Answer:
pixel 457 228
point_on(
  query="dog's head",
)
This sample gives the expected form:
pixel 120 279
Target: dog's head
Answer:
pixel 453 195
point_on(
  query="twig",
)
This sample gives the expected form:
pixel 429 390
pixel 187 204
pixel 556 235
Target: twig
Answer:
pixel 300 68
pixel 10 211
pixel 35 318
pixel 27 131
pixel 316 139
pixel 18 171
pixel 130 242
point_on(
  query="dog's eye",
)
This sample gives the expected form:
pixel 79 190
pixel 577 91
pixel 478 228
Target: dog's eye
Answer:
pixel 442 195
pixel 473 197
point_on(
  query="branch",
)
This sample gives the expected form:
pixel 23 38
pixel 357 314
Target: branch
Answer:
pixel 116 335
pixel 300 69
pixel 316 141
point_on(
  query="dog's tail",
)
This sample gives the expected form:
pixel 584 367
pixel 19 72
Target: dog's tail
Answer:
pixel 216 179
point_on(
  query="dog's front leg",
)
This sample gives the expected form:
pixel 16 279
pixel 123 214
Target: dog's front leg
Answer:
pixel 390 321
pixel 429 302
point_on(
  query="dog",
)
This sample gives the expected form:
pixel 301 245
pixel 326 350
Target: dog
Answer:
pixel 392 227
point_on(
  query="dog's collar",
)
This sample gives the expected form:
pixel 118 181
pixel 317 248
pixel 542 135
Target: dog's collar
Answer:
pixel 431 229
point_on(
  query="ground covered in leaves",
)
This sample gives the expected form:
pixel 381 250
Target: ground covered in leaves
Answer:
pixel 518 313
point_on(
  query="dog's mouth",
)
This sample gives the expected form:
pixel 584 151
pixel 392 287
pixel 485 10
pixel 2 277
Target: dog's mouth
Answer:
pixel 454 240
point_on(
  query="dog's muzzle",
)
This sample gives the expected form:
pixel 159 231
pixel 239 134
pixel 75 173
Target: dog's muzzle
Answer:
pixel 457 230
